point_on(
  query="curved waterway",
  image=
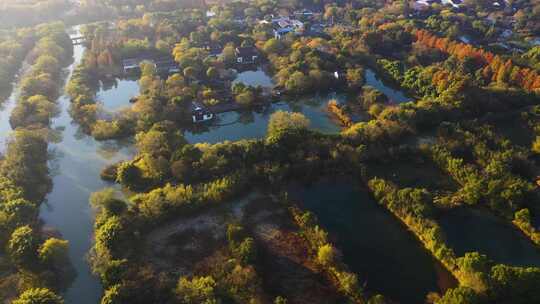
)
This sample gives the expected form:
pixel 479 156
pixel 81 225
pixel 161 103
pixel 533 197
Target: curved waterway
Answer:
pixel 375 245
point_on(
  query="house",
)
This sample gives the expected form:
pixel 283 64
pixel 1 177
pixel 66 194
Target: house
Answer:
pixel 282 32
pixel 246 55
pixel 214 51
pixel 166 66
pixel 507 33
pixel 199 113
pixel 284 25
pixel 304 13
pixel 131 65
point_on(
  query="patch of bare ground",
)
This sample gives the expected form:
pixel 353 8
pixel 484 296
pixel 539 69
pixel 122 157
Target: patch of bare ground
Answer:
pixel 283 256
pixel 178 245
pixel 240 282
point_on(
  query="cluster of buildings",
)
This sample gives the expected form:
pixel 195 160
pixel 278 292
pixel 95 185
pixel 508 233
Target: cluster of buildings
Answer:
pixel 282 26
pixel 164 65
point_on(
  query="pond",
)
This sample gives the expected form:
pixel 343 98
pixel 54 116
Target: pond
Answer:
pixel 375 245
pixel 394 95
pixel 468 230
pixel 254 78
pixel 249 125
pixel 115 95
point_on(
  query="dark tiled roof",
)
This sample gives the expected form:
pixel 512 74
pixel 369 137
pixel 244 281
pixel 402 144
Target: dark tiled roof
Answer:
pixel 246 51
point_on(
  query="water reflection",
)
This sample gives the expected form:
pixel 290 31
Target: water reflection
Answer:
pixel 257 77
pixel 253 124
pixel 115 94
pixel 394 95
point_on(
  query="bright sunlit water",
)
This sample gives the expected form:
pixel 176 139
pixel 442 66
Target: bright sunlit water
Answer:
pixel 116 94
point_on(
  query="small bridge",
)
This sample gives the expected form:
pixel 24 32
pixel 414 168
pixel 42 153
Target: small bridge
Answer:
pixel 77 40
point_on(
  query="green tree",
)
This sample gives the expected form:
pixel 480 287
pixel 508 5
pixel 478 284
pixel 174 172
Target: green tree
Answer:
pixel 282 121
pixel 199 290
pixel 38 296
pixel 54 252
pixel 129 175
pixel 280 300
pixel 459 295
pixel 19 212
pixel 355 78
pixel 107 200
pixel 273 46
pixel 298 83
pixel 229 54
pixel 114 295
pixel 212 73
pixel 110 236
pixel 326 255
pixel 245 99
pixel 190 72
pixel 536 145
pixel 23 246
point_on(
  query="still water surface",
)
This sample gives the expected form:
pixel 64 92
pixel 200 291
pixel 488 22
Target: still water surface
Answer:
pixel 254 78
pixel 75 165
pixel 116 94
pixel 375 245
pixel 394 95
pixel 250 125
pixel 468 230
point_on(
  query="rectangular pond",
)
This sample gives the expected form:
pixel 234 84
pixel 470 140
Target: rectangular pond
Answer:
pixel 469 229
pixel 375 245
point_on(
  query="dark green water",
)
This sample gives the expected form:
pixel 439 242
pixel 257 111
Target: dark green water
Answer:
pixel 394 95
pixel 469 230
pixel 375 245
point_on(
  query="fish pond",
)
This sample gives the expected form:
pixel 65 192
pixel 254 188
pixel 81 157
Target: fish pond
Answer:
pixel 375 245
pixel 469 229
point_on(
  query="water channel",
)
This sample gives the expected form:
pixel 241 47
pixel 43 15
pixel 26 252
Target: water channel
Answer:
pixel 75 165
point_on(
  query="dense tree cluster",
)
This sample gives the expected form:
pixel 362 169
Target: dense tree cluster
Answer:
pixel 495 69
pixel 13 49
pixel 38 262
